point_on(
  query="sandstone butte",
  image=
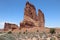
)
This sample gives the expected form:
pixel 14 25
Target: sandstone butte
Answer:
pixel 31 21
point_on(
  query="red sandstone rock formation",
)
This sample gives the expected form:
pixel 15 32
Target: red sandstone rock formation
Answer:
pixel 30 17
pixel 41 18
pixel 9 26
pixel 30 11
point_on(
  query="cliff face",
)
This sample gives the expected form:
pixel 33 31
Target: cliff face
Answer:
pixel 30 17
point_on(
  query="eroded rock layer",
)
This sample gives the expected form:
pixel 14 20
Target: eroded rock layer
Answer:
pixel 9 26
pixel 31 19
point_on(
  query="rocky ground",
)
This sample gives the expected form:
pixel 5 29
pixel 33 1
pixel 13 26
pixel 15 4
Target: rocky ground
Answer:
pixel 28 36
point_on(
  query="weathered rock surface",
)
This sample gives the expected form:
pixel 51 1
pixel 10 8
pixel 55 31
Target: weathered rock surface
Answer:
pixel 31 19
pixel 9 26
pixel 41 18
pixel 30 11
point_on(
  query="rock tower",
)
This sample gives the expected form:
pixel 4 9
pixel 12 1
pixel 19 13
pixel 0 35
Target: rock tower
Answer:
pixel 31 19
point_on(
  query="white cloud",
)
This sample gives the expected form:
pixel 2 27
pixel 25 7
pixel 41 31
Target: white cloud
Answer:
pixel 11 22
pixel 1 25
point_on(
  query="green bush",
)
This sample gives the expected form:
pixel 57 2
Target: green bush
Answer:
pixel 24 32
pixel 7 37
pixel 37 30
pixel 9 32
pixel 2 38
pixel 52 38
pixel 52 30
pixel 58 36
pixel 19 32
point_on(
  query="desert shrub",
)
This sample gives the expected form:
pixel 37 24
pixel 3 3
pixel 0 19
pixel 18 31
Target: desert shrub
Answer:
pixel 58 36
pixel 9 32
pixel 19 32
pixel 3 38
pixel 52 38
pixel 52 30
pixel 11 37
pixel 23 32
pixel 26 32
pixel 37 30
pixel 7 37
pixel 41 34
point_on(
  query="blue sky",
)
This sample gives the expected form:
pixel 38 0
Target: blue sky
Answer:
pixel 12 11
